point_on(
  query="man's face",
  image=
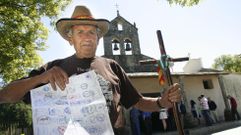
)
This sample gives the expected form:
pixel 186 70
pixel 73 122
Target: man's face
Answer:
pixel 85 40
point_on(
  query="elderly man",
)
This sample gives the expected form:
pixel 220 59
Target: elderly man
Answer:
pixel 83 32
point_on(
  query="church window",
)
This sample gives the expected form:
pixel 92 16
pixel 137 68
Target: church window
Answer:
pixel 120 27
pixel 208 84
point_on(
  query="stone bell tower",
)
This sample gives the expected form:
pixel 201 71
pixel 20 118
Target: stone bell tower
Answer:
pixel 121 43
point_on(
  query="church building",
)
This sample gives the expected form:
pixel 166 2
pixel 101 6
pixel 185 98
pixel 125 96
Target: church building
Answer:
pixel 121 43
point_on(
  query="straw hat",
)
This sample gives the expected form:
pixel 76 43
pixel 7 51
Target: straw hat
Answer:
pixel 81 15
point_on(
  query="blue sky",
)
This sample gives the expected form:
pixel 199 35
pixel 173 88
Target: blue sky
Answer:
pixel 205 31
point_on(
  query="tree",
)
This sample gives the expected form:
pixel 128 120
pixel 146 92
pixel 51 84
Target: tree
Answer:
pixel 18 114
pixel 184 2
pixel 230 63
pixel 22 34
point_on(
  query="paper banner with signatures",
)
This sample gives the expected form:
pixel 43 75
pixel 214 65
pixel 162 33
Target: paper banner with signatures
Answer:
pixel 78 110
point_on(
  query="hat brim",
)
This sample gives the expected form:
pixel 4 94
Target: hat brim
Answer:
pixel 63 25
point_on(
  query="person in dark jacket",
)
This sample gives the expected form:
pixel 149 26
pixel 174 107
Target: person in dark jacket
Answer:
pixel 194 110
pixel 213 106
pixel 135 115
pixel 146 117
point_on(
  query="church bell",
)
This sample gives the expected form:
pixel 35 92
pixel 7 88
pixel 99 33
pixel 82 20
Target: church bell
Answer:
pixel 116 47
pixel 128 47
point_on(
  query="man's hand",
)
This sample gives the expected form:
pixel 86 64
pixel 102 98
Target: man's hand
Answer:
pixel 102 67
pixel 54 76
pixel 173 94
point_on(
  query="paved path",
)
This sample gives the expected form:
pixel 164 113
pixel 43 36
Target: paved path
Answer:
pixel 212 130
pixel 233 131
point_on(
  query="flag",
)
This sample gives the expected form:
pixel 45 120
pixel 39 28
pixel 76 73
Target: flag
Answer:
pixel 161 75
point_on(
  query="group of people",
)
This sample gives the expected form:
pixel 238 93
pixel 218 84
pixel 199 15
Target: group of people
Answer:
pixel 141 122
pixel 207 107
pixel 144 123
pixel 83 32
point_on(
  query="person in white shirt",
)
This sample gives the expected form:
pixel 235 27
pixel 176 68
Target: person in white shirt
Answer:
pixel 205 110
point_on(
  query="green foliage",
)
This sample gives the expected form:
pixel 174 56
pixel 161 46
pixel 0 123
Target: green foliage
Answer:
pixel 184 2
pixel 228 63
pixel 15 114
pixel 22 34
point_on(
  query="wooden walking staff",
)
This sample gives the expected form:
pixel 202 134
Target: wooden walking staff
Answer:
pixel 164 59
